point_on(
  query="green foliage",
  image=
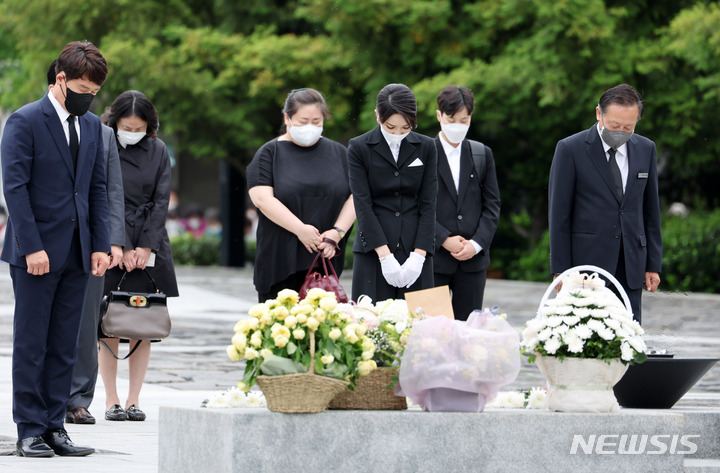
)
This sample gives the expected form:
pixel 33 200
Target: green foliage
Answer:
pixel 691 246
pixel 534 265
pixel 190 251
pixel 219 71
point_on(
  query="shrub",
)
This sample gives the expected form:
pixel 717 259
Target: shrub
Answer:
pixel 190 251
pixel 691 246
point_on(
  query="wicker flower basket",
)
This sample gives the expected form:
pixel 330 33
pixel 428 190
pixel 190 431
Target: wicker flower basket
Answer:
pixel 371 393
pixel 300 393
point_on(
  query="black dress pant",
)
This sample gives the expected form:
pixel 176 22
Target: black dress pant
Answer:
pixel 466 290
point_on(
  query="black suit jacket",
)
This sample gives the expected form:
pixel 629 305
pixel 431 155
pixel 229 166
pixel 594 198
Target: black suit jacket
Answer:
pixel 394 202
pixel 46 197
pixel 472 211
pixel 587 218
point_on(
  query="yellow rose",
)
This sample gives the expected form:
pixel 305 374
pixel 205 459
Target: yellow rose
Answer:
pixel 291 321
pixel 301 318
pixel 350 334
pixel 281 341
pixel 265 319
pixel 253 324
pixel 360 329
pixel 233 353
pixel 271 304
pixel 365 367
pixel 319 314
pixel 257 310
pixel 328 303
pixel 327 359
pixel 335 334
pixel 367 355
pixel 243 387
pixel 265 352
pixel 368 345
pixel 315 294
pixel 312 323
pixel 256 339
pixel 288 296
pixel 239 340
pixel 251 354
pixel 243 326
pixel 299 334
pixel 280 312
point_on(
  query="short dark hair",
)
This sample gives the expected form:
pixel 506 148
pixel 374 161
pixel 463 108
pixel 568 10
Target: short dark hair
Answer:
pixel 623 95
pixel 397 99
pixel 51 73
pixel 132 103
pixel 298 98
pixel 82 60
pixel 452 99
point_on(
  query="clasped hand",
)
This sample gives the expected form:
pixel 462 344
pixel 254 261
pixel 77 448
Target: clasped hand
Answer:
pixel 405 275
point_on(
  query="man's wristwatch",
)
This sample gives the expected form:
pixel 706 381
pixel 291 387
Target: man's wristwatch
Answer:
pixel 340 232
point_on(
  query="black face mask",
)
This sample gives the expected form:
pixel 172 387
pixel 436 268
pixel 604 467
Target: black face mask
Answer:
pixel 77 104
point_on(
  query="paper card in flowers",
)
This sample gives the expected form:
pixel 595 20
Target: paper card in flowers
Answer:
pixel 584 320
pixel 274 339
pixel 451 365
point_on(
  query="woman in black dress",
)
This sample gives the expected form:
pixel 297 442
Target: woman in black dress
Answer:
pixel 393 177
pixel 146 176
pixel 299 184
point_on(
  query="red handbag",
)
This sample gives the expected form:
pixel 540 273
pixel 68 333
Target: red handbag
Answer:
pixel 328 282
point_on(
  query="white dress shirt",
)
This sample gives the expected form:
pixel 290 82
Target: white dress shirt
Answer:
pixel 63 115
pixel 453 157
pixel 621 156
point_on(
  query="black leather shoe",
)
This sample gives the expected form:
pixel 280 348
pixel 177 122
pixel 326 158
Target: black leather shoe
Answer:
pixel 134 413
pixel 116 413
pixel 61 444
pixel 34 447
pixel 79 415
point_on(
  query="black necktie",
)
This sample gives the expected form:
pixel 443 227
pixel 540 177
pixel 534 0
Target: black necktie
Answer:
pixel 615 170
pixel 74 142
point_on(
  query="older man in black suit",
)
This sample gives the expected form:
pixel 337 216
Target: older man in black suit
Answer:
pixel 468 204
pixel 604 208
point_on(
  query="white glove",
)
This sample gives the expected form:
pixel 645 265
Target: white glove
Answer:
pixel 391 270
pixel 412 268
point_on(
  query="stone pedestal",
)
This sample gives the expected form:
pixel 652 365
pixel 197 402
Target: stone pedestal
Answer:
pixel 257 440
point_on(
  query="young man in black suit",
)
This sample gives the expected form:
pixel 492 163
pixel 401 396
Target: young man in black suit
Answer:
pixel 468 204
pixel 604 208
pixel 53 171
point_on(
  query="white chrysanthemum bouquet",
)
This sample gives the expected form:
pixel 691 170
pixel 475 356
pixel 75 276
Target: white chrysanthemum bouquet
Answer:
pixel 389 323
pixel 584 320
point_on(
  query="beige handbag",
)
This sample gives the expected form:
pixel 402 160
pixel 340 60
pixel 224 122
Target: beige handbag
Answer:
pixel 135 315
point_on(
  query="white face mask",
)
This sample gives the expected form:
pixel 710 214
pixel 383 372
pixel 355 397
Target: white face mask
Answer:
pixel 393 140
pixel 305 135
pixel 454 132
pixel 126 138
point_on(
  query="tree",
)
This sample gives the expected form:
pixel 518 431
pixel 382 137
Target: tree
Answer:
pixel 219 71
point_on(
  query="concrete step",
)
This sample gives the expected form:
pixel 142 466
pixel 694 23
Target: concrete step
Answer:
pixel 497 440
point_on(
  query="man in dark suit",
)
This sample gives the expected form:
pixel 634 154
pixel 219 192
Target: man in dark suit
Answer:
pixel 604 207
pixel 468 204
pixel 86 366
pixel 53 172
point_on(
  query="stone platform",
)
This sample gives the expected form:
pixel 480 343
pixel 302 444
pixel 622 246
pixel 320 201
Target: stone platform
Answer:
pixel 498 440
